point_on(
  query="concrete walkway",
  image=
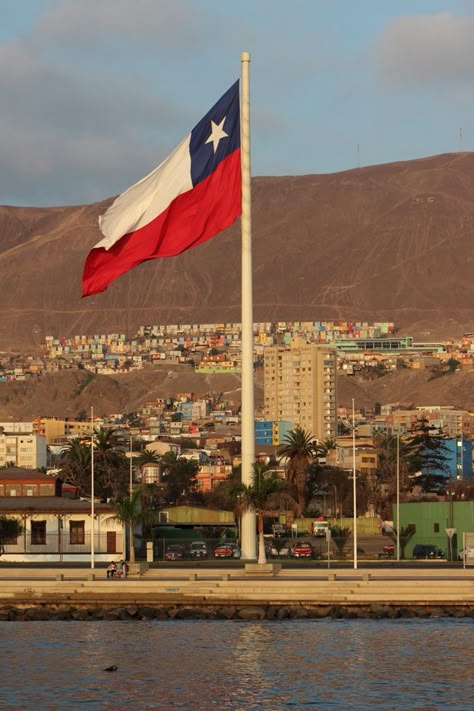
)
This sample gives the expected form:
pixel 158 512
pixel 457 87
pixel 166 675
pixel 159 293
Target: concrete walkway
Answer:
pixel 429 586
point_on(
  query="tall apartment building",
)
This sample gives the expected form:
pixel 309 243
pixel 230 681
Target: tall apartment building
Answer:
pixel 300 386
pixel 26 451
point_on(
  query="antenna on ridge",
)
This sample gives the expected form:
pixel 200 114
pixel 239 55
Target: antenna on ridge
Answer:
pixel 460 140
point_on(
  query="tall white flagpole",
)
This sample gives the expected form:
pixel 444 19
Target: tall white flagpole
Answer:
pixel 248 525
pixel 398 493
pixel 354 487
pixel 92 493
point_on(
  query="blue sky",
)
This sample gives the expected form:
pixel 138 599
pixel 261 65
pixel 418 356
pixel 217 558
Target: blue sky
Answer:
pixel 95 93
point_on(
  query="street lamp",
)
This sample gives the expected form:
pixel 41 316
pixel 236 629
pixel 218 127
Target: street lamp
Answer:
pixel 354 487
pixel 398 495
pixel 335 501
pixel 92 492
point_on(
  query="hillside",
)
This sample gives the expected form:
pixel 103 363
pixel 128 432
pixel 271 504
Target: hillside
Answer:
pixel 389 242
pixel 68 393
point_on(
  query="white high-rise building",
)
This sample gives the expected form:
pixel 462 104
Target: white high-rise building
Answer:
pixel 300 386
pixel 25 450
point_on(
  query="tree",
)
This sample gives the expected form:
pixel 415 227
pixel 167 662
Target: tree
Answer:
pixel 76 465
pixel 298 447
pixel 10 529
pixel 111 467
pixel 179 475
pixel 267 491
pixel 221 496
pixel 148 456
pixel 132 511
pixel 383 486
pixel 406 532
pixel 426 456
pixel 453 365
pixel 340 536
pixel 333 483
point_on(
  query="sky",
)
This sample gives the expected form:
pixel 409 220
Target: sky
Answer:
pixel 95 93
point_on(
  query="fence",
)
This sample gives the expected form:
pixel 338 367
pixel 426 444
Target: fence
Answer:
pixel 54 543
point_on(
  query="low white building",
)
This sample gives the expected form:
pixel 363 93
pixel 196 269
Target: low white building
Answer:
pixel 58 529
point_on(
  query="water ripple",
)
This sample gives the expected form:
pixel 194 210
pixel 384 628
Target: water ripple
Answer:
pixel 395 665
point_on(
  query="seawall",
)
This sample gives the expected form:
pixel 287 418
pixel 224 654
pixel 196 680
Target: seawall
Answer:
pixel 27 594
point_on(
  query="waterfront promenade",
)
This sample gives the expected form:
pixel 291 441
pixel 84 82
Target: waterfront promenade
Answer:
pixel 203 588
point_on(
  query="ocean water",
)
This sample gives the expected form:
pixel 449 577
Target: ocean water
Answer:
pixel 241 666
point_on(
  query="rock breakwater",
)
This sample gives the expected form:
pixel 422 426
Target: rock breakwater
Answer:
pixel 12 613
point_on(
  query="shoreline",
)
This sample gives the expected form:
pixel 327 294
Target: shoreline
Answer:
pixel 44 612
pixel 235 594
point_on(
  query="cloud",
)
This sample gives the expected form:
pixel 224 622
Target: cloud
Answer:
pixel 427 49
pixel 157 23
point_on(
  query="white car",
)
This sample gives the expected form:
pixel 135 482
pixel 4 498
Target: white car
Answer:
pixel 282 552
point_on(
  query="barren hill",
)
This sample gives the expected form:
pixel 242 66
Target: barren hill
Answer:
pixel 390 242
pixel 69 393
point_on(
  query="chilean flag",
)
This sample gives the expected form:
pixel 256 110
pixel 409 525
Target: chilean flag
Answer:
pixel 191 196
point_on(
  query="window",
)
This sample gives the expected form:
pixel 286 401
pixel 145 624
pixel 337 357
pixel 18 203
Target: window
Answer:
pixel 38 533
pixel 436 527
pixel 30 489
pixel 77 532
pixel 46 489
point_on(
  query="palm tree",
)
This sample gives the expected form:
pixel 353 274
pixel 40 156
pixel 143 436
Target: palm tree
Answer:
pixel 406 533
pixel 132 511
pixel 322 448
pixel 111 465
pixel 340 536
pixel 267 491
pixel 148 456
pixel 76 465
pixel 299 448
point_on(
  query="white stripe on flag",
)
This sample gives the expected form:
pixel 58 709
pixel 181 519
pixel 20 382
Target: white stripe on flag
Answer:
pixel 148 198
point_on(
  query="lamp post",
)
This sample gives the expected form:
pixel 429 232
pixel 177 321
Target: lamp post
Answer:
pixel 335 501
pixel 92 492
pixel 131 467
pixel 398 495
pixel 450 530
pixel 354 487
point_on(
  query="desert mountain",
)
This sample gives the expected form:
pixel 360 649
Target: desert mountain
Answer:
pixel 71 392
pixel 390 242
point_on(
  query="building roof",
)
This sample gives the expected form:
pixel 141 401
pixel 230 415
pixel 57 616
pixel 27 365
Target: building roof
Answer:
pixel 50 504
pixel 29 475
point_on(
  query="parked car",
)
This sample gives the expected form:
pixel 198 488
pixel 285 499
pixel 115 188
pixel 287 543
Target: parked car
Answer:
pixel 301 550
pixel 227 550
pixel 198 549
pixel 427 551
pixel 277 551
pixel 174 552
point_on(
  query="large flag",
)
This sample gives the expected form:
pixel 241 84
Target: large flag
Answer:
pixel 191 196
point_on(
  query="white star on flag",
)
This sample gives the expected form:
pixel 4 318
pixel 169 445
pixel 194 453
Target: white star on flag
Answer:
pixel 217 133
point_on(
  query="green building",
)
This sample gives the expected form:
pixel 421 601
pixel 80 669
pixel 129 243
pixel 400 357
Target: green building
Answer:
pixel 430 520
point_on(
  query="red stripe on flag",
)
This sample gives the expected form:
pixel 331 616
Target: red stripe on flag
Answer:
pixel 189 220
